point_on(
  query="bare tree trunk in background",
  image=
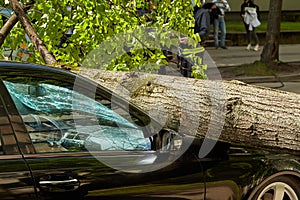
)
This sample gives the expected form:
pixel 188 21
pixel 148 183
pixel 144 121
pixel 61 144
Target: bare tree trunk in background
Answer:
pixel 34 38
pixel 11 22
pixel 231 111
pixel 270 53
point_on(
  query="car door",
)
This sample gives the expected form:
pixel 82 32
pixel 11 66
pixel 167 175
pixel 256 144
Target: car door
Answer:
pixel 231 170
pixel 86 144
pixel 15 176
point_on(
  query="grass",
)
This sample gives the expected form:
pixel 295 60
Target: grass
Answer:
pixel 254 69
pixel 232 26
pixel 259 68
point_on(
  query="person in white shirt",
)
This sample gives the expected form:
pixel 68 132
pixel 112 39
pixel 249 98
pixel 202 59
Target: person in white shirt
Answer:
pixel 250 16
pixel 219 23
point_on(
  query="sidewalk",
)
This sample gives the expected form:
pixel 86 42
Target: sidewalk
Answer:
pixel 237 55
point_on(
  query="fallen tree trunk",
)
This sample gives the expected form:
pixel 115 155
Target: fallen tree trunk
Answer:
pixel 226 110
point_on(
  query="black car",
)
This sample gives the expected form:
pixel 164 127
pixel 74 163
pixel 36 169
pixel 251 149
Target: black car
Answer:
pixel 63 136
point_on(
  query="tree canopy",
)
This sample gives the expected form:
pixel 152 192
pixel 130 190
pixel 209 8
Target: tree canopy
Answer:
pixel 72 29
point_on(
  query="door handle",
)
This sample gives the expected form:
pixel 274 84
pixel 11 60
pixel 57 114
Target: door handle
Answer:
pixel 59 185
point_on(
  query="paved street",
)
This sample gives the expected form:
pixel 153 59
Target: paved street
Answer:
pixel 237 55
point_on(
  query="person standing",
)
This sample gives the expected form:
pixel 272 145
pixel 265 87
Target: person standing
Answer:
pixel 250 10
pixel 202 20
pixel 219 22
pixel 194 55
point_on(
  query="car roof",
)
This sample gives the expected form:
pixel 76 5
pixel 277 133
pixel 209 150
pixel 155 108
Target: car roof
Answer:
pixel 24 68
pixel 4 65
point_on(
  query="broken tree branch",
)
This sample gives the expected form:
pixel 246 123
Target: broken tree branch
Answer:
pixel 34 37
pixel 10 23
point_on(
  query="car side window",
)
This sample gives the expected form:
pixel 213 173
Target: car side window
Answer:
pixel 59 119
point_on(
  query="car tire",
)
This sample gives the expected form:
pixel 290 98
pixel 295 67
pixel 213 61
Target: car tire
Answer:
pixel 280 187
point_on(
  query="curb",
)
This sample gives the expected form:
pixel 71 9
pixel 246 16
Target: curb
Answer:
pixel 268 79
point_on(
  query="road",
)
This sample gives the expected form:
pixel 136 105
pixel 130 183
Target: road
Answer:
pixel 237 55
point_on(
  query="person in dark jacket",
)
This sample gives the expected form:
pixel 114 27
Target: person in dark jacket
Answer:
pixel 194 56
pixel 202 20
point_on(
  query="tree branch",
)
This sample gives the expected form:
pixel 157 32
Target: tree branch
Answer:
pixel 34 37
pixel 11 22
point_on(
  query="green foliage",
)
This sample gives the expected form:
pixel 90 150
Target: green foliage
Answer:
pixel 97 21
pixel 198 71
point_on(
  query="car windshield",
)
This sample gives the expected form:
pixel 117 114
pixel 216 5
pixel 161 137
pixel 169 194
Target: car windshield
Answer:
pixel 94 125
pixel 50 99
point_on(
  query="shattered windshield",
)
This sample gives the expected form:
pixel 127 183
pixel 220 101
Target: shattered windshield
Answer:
pixel 60 108
pixel 53 99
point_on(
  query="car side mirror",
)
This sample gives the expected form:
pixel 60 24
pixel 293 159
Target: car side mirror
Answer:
pixel 167 140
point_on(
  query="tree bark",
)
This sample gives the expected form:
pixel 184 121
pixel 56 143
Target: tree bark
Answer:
pixel 270 53
pixel 11 22
pixel 34 38
pixel 229 111
pixel 7 28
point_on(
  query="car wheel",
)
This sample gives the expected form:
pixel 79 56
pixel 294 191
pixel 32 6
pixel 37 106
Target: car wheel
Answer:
pixel 279 188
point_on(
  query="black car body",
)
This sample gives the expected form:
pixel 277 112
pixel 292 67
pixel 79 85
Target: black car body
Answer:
pixel 63 136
